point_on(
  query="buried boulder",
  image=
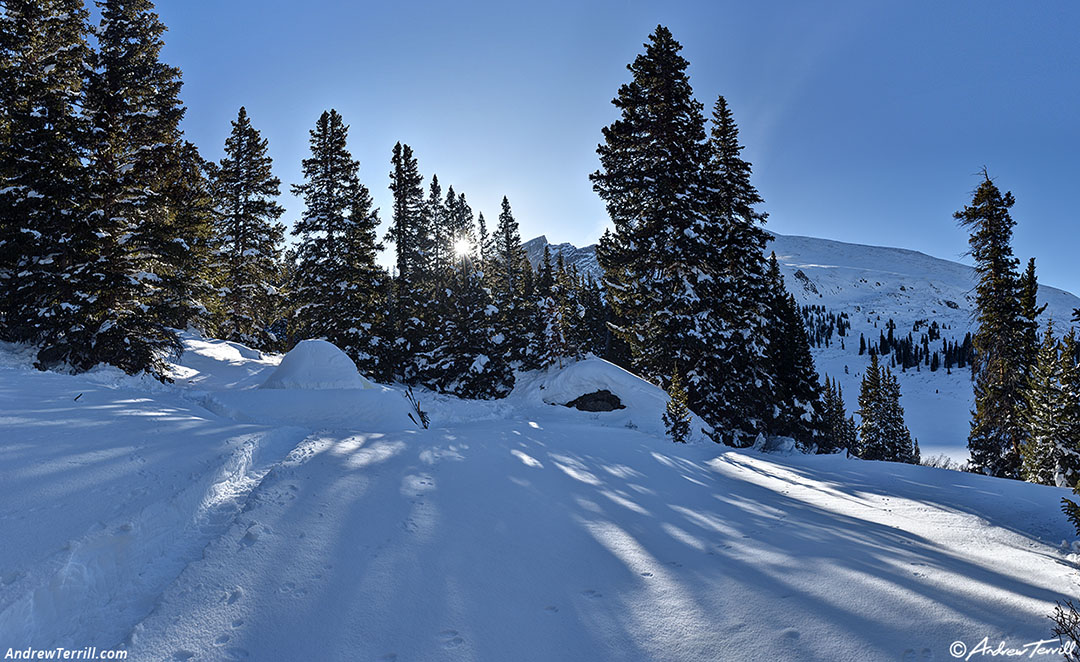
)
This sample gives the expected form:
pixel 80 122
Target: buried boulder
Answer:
pixel 602 400
pixel 316 365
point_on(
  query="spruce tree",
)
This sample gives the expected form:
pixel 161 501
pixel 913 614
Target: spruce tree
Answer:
pixel 249 237
pixel 897 438
pixel 46 245
pixel 795 392
pixel 1067 452
pixel 339 292
pixel 662 259
pixel 677 412
pixel 997 430
pixel 506 276
pixel 135 161
pixel 468 362
pixel 414 300
pixel 740 294
pixel 872 442
pixel 1044 405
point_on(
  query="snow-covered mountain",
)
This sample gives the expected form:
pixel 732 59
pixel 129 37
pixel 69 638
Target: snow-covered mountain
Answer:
pixel 874 284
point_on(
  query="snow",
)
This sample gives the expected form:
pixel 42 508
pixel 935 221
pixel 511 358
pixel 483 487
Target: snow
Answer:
pixel 316 365
pixel 212 519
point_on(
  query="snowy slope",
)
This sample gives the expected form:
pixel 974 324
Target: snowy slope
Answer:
pixel 511 530
pixel 874 284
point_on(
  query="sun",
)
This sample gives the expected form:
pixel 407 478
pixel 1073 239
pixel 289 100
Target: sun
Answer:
pixel 462 247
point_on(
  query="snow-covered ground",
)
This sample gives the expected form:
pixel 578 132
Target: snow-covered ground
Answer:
pixel 216 520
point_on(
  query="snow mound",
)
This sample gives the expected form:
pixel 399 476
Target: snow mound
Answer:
pixel 316 365
pixel 643 403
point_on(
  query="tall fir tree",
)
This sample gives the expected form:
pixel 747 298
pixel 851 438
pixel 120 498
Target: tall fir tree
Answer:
pixel 738 369
pixel 795 393
pixel 133 294
pixel 662 259
pixel 898 441
pixel 1044 399
pixel 997 430
pixel 506 275
pixel 46 249
pixel 248 237
pixel 1067 452
pixel 414 301
pixel 339 292
pixel 872 442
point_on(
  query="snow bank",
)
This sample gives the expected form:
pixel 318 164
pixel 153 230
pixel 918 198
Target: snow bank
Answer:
pixel 643 403
pixel 316 365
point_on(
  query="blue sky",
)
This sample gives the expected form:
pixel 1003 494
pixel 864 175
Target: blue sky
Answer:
pixel 865 121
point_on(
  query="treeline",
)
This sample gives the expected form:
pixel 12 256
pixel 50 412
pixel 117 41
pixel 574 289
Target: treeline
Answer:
pixel 116 233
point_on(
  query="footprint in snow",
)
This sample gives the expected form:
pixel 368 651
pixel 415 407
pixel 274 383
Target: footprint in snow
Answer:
pixel 234 596
pixel 450 639
pixel 389 657
pixel 925 655
pixel 591 594
pixel 790 633
pixel 237 654
pixel 646 574
pixel 222 640
pixel 551 609
pixel 237 622
pixel 181 656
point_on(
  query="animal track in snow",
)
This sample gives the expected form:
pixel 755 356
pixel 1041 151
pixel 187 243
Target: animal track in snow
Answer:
pixel 591 594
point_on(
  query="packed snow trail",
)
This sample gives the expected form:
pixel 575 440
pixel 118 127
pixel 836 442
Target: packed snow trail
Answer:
pixel 293 524
pixel 537 541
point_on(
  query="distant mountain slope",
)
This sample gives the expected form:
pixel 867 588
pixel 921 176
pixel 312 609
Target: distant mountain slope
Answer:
pixel 873 284
pixel 899 283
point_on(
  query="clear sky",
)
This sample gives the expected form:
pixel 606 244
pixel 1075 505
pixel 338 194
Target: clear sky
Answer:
pixel 865 121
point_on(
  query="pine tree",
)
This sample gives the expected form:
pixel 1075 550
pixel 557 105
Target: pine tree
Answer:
pixel 872 442
pixel 897 438
pixel 1044 404
pixel 339 292
pixel 997 430
pixel 507 269
pixel 677 412
pixel 740 293
pixel 133 293
pixel 662 261
pixel 414 299
pixel 46 245
pixel 839 431
pixel 795 392
pixel 468 362
pixel 249 238
pixel 1067 452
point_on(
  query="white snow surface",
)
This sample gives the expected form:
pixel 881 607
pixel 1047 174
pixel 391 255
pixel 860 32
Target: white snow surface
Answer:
pixel 214 520
pixel 316 365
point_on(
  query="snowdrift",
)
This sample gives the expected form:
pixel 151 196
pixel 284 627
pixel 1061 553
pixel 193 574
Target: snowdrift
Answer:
pixel 315 365
pixel 643 403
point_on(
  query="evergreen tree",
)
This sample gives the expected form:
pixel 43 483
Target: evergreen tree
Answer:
pixel 507 269
pixel 900 447
pixel 997 430
pixel 795 392
pixel 438 219
pixel 132 293
pixel 339 292
pixel 662 261
pixel 1044 405
pixel 1067 452
pixel 249 238
pixel 740 293
pixel 414 300
pixel 46 247
pixel 872 442
pixel 677 412
pixel 839 430
pixel 468 362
